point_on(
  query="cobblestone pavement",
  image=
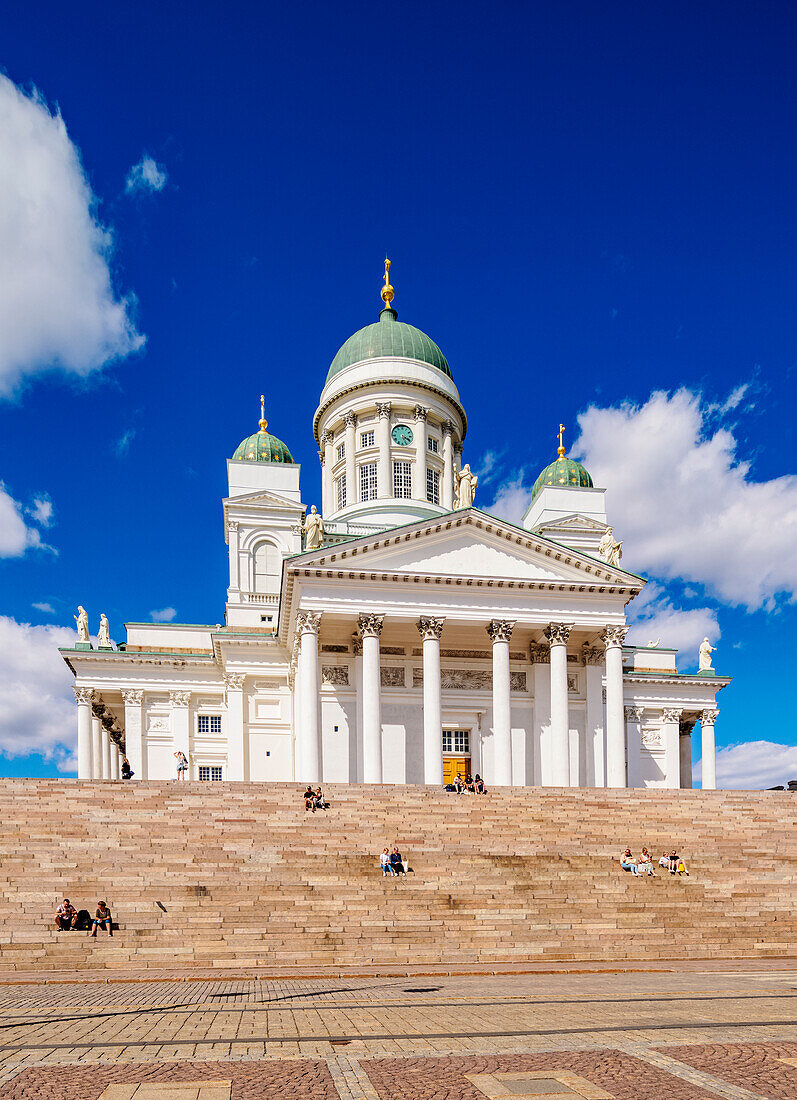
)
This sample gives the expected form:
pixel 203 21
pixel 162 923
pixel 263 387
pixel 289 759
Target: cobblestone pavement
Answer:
pixel 685 1035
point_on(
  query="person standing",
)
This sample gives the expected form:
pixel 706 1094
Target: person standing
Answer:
pixel 182 763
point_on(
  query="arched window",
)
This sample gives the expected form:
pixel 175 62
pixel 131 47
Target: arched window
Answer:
pixel 267 563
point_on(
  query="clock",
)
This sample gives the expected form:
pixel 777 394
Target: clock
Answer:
pixel 402 435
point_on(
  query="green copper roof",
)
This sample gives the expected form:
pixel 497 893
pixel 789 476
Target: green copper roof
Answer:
pixel 563 471
pixel 389 337
pixel 262 447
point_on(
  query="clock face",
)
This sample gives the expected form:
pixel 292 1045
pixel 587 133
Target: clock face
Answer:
pixel 402 435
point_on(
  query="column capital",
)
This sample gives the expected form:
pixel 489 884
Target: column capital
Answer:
pixel 370 625
pixel 539 653
pixel 448 427
pixel 613 636
pixel 383 409
pixel 558 633
pixel 634 714
pixel 350 419
pixel 232 525
pixel 671 714
pixel 420 412
pixel 308 622
pixel 708 717
pixel 179 698
pixel 458 448
pixel 327 436
pixel 132 697
pixel 84 694
pixel 592 654
pixel 500 630
pixel 234 681
pixel 430 628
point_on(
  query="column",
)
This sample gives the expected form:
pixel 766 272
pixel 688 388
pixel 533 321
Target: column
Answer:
pixel 357 651
pixel 685 752
pixel 633 733
pixel 309 744
pixel 613 638
pixel 96 741
pixel 500 632
pixel 106 752
pixel 328 505
pixel 707 720
pixel 83 698
pixel 370 631
pixel 384 478
pixel 180 701
pixel 430 630
pixel 557 635
pixel 235 727
pixel 235 560
pixel 116 761
pixel 352 494
pixel 447 498
pixel 419 466
pixel 670 735
pixel 540 656
pixel 294 683
pixel 596 740
pixel 134 737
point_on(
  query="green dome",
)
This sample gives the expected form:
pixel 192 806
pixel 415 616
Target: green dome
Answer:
pixel 563 472
pixel 389 337
pixel 262 446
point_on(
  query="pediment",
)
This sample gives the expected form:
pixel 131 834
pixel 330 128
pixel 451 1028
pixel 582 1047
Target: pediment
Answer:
pixel 264 500
pixel 575 522
pixel 469 545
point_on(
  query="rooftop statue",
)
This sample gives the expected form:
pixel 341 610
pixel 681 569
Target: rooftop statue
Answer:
pixel 104 637
pixel 704 656
pixel 467 484
pixel 609 549
pixel 82 620
pixel 313 529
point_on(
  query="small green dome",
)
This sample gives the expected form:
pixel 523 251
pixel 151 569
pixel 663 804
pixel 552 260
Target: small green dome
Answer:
pixel 563 472
pixel 389 337
pixel 262 446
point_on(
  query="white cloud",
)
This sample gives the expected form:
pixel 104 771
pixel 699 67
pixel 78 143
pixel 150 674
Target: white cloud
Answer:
pixel 37 706
pixel 42 511
pixel 754 765
pixel 653 616
pixel 511 498
pixel 122 444
pixel 165 615
pixel 15 535
pixel 58 309
pixel 685 505
pixel 147 175
pixel 489 467
pixel 45 608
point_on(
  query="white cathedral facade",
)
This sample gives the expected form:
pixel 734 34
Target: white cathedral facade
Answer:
pixel 399 635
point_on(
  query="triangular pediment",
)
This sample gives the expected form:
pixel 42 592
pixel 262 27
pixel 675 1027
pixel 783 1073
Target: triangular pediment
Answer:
pixel 575 522
pixel 471 545
pixel 264 499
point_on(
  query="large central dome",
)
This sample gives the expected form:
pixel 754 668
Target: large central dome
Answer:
pixel 389 338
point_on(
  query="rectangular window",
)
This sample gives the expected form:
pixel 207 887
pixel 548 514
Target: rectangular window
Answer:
pixel 340 491
pixel 340 452
pixel 402 480
pixel 367 439
pixel 433 486
pixel 456 741
pixel 210 773
pixel 433 445
pixel 208 723
pixel 368 481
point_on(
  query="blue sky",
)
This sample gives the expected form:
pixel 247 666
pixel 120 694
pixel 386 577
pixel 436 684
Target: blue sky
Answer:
pixel 585 206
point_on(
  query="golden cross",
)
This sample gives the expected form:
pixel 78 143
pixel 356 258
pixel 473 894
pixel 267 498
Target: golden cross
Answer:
pixel 561 433
pixel 263 421
pixel 387 270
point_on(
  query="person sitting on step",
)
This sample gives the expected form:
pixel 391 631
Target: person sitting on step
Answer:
pixel 478 784
pixel 459 786
pixel 309 798
pixel 127 771
pixel 397 863
pixel 672 862
pixel 681 868
pixel 627 862
pixel 320 802
pixel 469 784
pixel 646 863
pixel 385 864
pixel 65 916
pixel 102 919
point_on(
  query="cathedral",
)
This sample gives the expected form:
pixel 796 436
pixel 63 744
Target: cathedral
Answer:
pixel 399 634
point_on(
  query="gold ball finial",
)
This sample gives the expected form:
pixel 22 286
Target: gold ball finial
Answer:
pixel 561 451
pixel 263 421
pixel 387 289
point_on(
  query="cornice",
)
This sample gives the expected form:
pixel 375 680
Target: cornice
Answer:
pixel 675 678
pixel 379 383
pixel 167 660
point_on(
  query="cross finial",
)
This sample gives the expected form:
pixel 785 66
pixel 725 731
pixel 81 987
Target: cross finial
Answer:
pixel 263 421
pixel 561 451
pixel 387 289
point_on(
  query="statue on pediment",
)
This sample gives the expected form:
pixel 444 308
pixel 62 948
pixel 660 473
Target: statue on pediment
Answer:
pixel 467 484
pixel 609 549
pixel 104 636
pixel 82 620
pixel 313 529
pixel 704 656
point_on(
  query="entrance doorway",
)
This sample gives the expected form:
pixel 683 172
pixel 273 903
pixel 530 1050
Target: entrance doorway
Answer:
pixel 456 754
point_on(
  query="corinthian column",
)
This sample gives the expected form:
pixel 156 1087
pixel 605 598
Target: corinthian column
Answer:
pixel 352 494
pixel 671 735
pixel 134 732
pixel 309 733
pixel 557 635
pixel 707 720
pixel 500 631
pixel 83 698
pixel 327 458
pixel 97 711
pixel 430 630
pixel 447 499
pixel 370 631
pixel 236 740
pixel 633 726
pixel 419 465
pixel 179 703
pixel 384 480
pixel 613 638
